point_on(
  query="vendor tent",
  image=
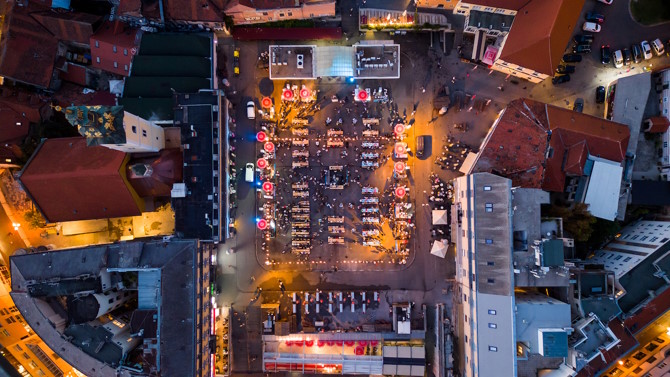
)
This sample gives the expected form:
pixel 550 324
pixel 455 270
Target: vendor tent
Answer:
pixel 439 248
pixel 440 217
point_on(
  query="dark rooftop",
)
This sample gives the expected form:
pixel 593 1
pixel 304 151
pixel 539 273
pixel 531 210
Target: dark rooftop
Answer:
pixel 166 64
pixel 651 193
pixel 175 260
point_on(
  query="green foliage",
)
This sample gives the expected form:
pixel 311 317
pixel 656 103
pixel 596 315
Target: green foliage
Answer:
pixel 649 12
pixel 577 221
pixel 34 219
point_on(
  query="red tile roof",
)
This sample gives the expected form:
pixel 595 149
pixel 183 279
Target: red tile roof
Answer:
pixel 504 4
pixel 13 126
pixel 195 10
pixel 659 124
pixel 528 131
pixel 167 169
pixel 110 36
pixel 540 33
pixel 69 181
pixel 68 26
pixel 130 8
pixel 17 110
pixel 29 50
pixel 74 73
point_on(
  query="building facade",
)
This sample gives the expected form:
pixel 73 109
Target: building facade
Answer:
pixel 483 237
pixel 247 12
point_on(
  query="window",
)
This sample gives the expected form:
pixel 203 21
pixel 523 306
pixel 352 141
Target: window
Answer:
pixel 97 59
pixel 114 48
pixel 490 263
pixel 26 356
pixel 466 318
pixel 110 300
pixel 144 133
pixel 487 188
pixel 466 339
pixel 281 14
pixel 492 312
pixel 627 259
pixel 97 44
pixel 493 348
pixel 5 332
pixel 489 207
pixel 493 325
pixel 18 348
pixel 465 298
pixel 489 241
pixel 134 128
pixel 33 364
pixel 125 67
pixel 290 14
pixel 40 373
pixel 116 65
pixel 125 51
pixel 618 257
pixel 490 281
pixel 265 13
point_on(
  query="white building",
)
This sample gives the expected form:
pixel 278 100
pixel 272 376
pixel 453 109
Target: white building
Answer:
pixel 111 127
pixel 483 237
pixel 511 22
pixel 634 244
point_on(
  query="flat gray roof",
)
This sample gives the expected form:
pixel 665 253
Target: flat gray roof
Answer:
pixel 284 62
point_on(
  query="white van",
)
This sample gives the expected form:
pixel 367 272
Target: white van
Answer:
pixel 249 172
pixel 251 110
pixel 618 59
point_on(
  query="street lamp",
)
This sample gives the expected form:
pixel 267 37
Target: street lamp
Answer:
pixel 16 226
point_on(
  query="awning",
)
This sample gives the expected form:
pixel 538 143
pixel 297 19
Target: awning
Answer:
pixel 490 55
pixel 468 163
pixel 440 217
pixel 439 248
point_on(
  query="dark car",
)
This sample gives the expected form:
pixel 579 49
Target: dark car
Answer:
pixel 560 79
pixel 578 106
pixel 563 69
pixel 595 17
pixel 627 57
pixel 600 94
pixel 582 48
pixel 637 53
pixel 572 58
pixel 583 38
pixel 605 54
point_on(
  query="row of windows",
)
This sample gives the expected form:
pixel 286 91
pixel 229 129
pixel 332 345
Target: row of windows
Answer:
pixel 125 50
pixel 116 64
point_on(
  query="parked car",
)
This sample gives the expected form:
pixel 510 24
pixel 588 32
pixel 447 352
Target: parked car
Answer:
pixel 637 53
pixel 251 110
pixel 657 45
pixel 249 172
pixel 583 38
pixel 563 69
pixel 595 17
pixel 600 94
pixel 627 56
pixel 618 59
pixel 582 48
pixel 646 50
pixel 572 58
pixel 560 79
pixel 605 54
pixel 578 106
pixel 608 2
pixel 591 26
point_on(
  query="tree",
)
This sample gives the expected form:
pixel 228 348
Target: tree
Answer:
pixel 577 220
pixel 34 219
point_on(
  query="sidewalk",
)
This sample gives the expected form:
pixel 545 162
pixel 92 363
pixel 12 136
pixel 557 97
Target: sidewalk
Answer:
pixel 13 218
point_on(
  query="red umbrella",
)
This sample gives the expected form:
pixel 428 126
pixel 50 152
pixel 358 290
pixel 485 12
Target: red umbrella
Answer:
pixel 349 343
pixel 400 192
pixel 298 343
pixel 400 149
pixel 266 102
pixel 320 343
pixel 262 163
pixel 399 167
pixel 269 147
pixel 262 224
pixel 363 343
pixel 339 342
pixel 330 342
pixel 373 343
pixel 289 343
pixel 359 351
pixel 304 93
pixel 399 129
pixel 261 136
pixel 268 186
pixel 287 95
pixel 362 95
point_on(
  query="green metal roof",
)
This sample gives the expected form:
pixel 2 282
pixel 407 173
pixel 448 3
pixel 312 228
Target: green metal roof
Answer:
pixel 552 251
pixel 555 344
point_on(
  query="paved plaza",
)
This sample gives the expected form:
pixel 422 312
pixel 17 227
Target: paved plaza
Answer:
pixel 342 182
